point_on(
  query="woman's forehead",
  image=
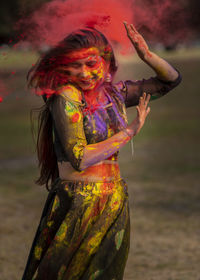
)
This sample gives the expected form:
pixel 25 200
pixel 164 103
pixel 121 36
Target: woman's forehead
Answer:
pixel 82 54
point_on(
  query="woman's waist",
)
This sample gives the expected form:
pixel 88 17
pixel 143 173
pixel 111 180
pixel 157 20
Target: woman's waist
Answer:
pixel 106 170
pixel 85 188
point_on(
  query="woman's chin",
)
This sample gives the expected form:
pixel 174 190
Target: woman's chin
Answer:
pixel 87 86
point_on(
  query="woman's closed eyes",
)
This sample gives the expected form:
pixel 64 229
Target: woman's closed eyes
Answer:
pixel 78 65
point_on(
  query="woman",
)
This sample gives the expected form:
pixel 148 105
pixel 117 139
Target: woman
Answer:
pixel 84 231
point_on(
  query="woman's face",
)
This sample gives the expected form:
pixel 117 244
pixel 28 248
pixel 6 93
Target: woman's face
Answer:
pixel 86 68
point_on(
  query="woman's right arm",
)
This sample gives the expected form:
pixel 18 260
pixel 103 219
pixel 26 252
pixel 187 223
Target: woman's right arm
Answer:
pixel 132 90
pixel 102 150
pixel 167 77
pixel 68 123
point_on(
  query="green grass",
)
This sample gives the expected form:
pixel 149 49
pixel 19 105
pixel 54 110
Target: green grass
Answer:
pixel 17 129
pixel 11 60
pixel 18 180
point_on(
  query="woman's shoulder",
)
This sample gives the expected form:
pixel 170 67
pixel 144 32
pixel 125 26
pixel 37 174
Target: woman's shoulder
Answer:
pixel 71 94
pixel 118 91
pixel 120 86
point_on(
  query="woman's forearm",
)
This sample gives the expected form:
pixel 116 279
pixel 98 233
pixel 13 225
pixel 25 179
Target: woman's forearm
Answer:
pixel 72 137
pixel 162 68
pixel 97 152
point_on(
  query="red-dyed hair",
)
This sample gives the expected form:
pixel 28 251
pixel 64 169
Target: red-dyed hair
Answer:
pixel 44 76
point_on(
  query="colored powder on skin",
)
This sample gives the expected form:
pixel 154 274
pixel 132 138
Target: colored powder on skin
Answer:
pixel 81 54
pixel 93 73
pixel 91 148
pixel 115 144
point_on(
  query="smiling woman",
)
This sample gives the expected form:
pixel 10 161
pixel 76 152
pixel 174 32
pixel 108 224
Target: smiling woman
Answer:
pixel 84 232
pixel 86 68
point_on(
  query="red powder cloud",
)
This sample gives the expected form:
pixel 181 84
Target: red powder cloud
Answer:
pixel 54 20
pixel 161 21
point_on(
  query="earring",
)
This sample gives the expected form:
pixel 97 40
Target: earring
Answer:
pixel 108 78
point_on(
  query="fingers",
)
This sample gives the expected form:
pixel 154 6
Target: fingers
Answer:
pixel 142 111
pixel 148 98
pixel 148 110
pixel 138 110
pixel 145 98
pixel 142 99
pixel 143 102
pixel 133 28
pixel 125 24
pixel 129 27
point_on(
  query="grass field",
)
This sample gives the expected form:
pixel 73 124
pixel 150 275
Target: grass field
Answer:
pixel 163 176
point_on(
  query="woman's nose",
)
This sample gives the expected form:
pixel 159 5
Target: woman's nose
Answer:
pixel 84 72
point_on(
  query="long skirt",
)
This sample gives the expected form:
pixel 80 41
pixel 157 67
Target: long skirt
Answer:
pixel 84 233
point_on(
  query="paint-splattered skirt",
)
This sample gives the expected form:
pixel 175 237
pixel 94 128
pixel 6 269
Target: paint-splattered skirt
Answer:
pixel 84 233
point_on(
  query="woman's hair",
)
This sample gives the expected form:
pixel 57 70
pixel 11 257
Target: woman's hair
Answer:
pixel 45 78
pixel 45 75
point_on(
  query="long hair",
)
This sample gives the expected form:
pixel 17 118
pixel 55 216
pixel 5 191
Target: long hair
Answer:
pixel 45 78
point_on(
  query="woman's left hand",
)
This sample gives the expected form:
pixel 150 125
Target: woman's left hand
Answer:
pixel 137 40
pixel 162 68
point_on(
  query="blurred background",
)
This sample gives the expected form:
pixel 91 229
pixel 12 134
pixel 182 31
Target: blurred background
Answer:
pixel 163 174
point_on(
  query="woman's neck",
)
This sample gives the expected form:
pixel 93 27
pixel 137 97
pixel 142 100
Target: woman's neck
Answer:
pixel 93 97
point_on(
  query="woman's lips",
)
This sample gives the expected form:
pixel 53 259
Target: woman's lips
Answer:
pixel 86 82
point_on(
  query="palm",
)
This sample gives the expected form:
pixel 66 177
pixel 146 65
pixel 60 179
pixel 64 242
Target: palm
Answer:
pixel 137 40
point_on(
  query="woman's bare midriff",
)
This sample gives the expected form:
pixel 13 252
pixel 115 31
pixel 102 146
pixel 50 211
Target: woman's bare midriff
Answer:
pixel 107 170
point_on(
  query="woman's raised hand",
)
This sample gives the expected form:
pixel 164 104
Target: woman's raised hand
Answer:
pixel 143 109
pixel 142 112
pixel 137 40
